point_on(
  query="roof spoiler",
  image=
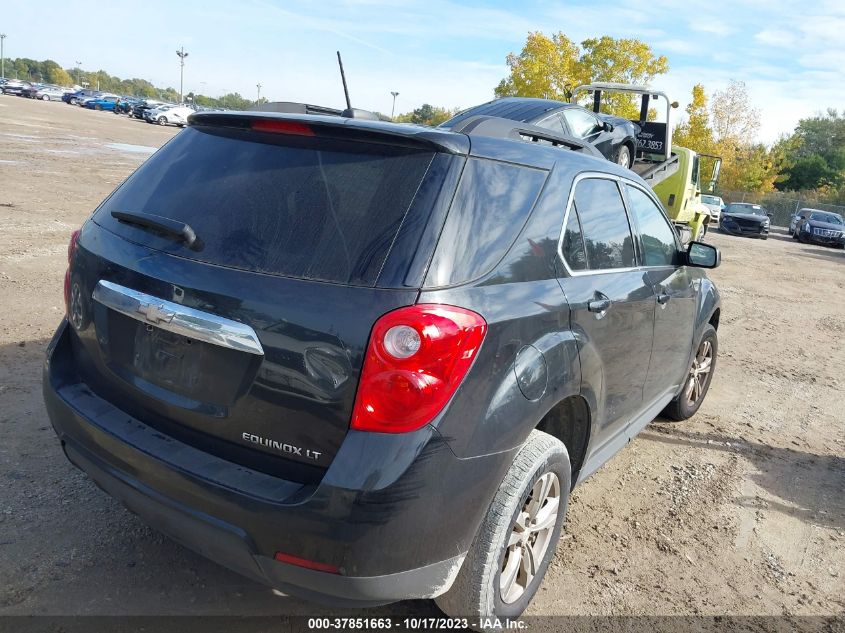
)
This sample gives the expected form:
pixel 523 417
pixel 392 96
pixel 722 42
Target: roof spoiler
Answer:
pixel 335 127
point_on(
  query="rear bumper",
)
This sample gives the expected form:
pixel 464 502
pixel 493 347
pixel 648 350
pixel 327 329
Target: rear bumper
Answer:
pixel 394 513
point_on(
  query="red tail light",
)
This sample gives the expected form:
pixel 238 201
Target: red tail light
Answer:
pixel 304 562
pixel 71 249
pixel 280 126
pixel 416 359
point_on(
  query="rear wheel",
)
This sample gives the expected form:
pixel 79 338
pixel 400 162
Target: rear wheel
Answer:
pixel 45 97
pixel 162 120
pixel 98 107
pixel 518 537
pixel 697 380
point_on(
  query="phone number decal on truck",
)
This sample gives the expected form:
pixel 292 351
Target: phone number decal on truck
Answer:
pixel 649 144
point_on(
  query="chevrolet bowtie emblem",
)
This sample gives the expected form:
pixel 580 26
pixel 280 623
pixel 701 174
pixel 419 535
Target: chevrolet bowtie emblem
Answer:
pixel 156 313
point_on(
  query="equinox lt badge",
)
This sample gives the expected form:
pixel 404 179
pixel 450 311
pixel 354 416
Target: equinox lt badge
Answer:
pixel 279 446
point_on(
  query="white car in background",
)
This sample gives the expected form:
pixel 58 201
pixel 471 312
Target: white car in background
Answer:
pixel 714 205
pixel 171 115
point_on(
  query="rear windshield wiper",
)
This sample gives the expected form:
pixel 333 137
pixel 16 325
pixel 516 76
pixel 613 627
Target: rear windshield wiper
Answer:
pixel 173 228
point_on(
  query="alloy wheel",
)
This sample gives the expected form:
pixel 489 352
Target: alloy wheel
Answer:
pixel 699 372
pixel 624 157
pixel 530 537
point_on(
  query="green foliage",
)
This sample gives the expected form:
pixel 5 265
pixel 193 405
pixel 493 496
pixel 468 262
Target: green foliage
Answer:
pixel 817 156
pixel 695 132
pixel 426 114
pixel 552 67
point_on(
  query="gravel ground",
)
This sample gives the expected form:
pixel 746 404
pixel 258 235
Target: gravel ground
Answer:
pixel 738 511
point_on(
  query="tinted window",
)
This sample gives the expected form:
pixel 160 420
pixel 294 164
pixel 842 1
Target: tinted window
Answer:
pixel 657 237
pixel 301 207
pixel 490 207
pixel 552 123
pixel 573 242
pixel 604 223
pixel 581 122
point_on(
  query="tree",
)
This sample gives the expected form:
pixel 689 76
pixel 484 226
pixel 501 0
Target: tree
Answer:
pixel 426 114
pixel 733 117
pixel 551 67
pixel 695 132
pixel 546 68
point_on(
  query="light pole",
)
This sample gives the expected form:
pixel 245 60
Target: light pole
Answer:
pixel 2 57
pixel 393 109
pixel 258 101
pixel 78 64
pixel 182 55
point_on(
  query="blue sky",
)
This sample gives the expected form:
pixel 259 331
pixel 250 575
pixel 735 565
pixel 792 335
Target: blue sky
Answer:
pixel 790 54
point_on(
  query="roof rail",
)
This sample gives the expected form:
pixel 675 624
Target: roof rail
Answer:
pixel 498 127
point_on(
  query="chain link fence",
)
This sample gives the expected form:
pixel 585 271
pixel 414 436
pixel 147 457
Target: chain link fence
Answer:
pixel 781 205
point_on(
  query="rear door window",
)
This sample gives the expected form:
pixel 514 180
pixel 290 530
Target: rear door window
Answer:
pixel 573 242
pixel 302 207
pixel 604 224
pixel 491 206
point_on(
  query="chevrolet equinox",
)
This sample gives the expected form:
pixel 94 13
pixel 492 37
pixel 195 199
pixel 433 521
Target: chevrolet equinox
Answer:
pixel 362 362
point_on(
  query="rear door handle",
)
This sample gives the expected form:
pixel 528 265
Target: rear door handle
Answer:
pixel 600 305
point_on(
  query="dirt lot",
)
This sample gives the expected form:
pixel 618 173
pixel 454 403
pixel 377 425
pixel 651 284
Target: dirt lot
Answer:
pixel 737 511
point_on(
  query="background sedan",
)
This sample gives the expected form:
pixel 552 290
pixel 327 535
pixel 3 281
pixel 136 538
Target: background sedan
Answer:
pixel 101 103
pixel 821 227
pixel 744 218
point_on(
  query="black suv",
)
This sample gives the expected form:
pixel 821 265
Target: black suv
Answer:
pixel 362 362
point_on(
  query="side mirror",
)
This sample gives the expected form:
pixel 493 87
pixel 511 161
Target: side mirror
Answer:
pixel 703 255
pixel 771 215
pixel 607 126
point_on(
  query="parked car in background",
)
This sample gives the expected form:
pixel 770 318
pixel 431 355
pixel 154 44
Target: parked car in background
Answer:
pixel 796 217
pixel 73 98
pixel 140 110
pixel 274 352
pixel 715 205
pixel 15 87
pixel 614 137
pixel 171 115
pixel 820 227
pixel 101 103
pixel 124 105
pixel 50 93
pixel 745 218
pixel 98 95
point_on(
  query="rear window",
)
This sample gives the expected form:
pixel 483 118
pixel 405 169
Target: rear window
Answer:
pixel 302 207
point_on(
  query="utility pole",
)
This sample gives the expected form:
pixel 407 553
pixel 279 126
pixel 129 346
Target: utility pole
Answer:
pixel 393 109
pixel 258 101
pixel 182 55
pixel 78 64
pixel 2 57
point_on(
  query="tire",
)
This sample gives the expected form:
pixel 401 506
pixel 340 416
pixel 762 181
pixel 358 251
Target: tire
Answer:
pixel 623 157
pixel 72 102
pixel 477 590
pixel 162 120
pixel 45 97
pixel 98 108
pixel 682 408
pixel 794 235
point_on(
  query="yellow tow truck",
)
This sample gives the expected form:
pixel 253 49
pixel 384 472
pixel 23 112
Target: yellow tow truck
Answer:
pixel 673 172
